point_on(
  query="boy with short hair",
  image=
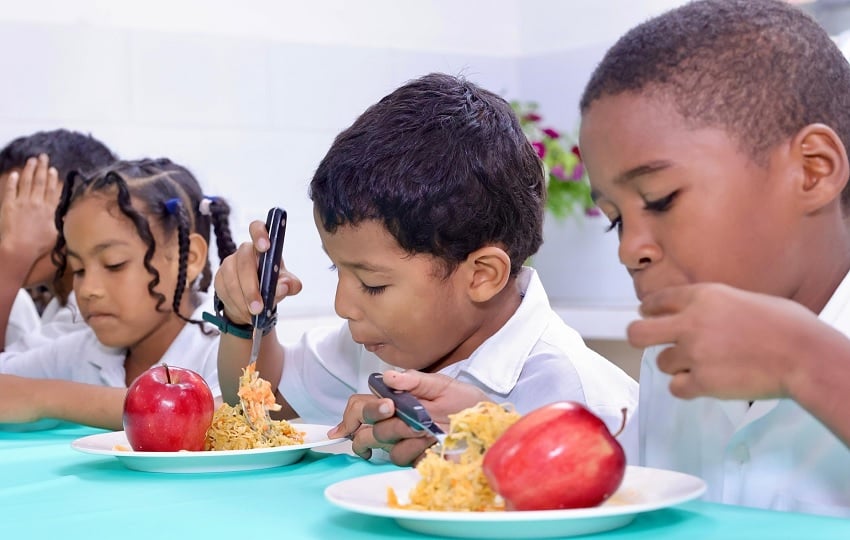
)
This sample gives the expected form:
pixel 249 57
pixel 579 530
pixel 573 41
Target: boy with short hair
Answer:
pixel 32 169
pixel 715 138
pixel 427 207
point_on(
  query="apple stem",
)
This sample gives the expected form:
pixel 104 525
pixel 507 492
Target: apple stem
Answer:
pixel 168 376
pixel 623 424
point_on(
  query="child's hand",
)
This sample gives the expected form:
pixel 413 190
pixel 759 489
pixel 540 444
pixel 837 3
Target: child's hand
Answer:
pixel 361 412
pixel 238 285
pixel 726 343
pixel 27 226
pixel 439 394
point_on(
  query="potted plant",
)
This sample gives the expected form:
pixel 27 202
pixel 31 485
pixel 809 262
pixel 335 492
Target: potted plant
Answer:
pixel 567 187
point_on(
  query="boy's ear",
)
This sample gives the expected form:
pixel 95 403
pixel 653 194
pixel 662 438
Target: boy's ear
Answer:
pixel 825 166
pixel 196 259
pixel 489 269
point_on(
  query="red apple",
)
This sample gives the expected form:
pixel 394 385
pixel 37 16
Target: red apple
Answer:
pixel 558 456
pixel 168 409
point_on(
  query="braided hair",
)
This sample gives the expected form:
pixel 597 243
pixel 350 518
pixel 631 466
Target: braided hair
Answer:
pixel 166 193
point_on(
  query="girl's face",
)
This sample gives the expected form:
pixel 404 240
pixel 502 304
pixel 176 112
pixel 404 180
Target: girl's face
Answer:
pixel 105 256
pixel 688 205
pixel 399 306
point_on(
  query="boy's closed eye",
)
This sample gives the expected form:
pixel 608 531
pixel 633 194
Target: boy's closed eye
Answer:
pixel 660 205
pixel 368 289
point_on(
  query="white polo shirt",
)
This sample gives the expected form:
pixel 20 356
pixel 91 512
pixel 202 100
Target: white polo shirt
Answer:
pixel 80 357
pixel 772 455
pixel 534 359
pixel 57 320
pixel 23 318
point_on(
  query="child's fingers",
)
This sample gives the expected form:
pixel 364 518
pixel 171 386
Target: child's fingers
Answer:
pixel 658 330
pixel 26 177
pixel 666 301
pixel 288 284
pixel 11 190
pixel 351 418
pixel 408 452
pixel 40 175
pixel 245 260
pixel 428 386
pixel 259 236
pixel 53 190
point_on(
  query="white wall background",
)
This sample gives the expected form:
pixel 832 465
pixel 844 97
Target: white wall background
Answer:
pixel 249 95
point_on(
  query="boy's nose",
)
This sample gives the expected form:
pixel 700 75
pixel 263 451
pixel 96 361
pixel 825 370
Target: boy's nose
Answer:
pixel 638 247
pixel 343 304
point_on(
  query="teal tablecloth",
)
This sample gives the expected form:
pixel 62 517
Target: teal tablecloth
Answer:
pixel 48 490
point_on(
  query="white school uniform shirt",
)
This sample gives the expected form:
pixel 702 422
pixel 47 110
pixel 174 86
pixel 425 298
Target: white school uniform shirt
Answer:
pixel 772 455
pixel 56 320
pixel 80 357
pixel 533 360
pixel 23 318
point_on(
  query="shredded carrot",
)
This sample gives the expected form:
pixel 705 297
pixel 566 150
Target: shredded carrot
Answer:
pixel 257 396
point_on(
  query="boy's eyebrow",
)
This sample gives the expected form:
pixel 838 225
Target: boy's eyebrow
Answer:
pixel 360 265
pixel 640 170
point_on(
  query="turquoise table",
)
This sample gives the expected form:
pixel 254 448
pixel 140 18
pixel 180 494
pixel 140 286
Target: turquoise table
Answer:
pixel 48 490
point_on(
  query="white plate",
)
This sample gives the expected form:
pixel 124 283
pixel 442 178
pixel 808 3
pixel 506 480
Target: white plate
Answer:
pixel 204 462
pixel 643 489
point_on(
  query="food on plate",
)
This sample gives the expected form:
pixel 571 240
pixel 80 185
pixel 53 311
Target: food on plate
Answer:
pixel 167 409
pixel 558 456
pixel 231 430
pixel 458 483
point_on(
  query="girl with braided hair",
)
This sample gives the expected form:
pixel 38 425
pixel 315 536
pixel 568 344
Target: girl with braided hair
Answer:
pixel 135 237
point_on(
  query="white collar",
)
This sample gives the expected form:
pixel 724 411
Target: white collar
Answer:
pixel 498 362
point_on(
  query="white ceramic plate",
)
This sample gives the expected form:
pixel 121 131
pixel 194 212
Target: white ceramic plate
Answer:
pixel 204 462
pixel 643 489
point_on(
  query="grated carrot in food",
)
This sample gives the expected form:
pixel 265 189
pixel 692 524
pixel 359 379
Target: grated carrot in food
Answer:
pixel 459 484
pixel 230 429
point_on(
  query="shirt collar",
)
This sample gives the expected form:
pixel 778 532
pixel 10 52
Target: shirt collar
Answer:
pixel 498 362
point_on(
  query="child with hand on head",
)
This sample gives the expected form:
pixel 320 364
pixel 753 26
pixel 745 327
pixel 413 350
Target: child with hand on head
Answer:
pixel 427 207
pixel 32 169
pixel 715 139
pixel 134 237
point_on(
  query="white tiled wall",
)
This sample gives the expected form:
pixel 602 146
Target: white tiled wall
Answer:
pixel 249 95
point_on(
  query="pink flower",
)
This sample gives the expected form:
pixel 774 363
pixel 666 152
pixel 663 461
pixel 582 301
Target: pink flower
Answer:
pixel 558 172
pixel 578 172
pixel 539 148
pixel 575 151
pixel 551 133
pixel 592 211
pixel 532 117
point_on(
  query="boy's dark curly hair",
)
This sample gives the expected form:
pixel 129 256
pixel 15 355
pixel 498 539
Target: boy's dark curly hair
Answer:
pixel 759 69
pixel 168 195
pixel 444 165
pixel 68 151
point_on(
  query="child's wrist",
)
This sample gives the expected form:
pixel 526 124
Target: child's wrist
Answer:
pixel 220 320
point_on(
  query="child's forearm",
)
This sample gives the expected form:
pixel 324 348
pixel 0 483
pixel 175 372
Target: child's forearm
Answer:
pixel 24 399
pixel 821 383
